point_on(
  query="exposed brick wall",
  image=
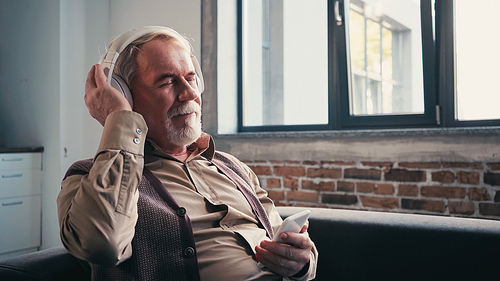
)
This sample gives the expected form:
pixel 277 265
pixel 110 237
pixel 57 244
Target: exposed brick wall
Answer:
pixel 465 189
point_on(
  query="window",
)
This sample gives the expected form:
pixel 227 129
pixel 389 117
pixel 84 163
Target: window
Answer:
pixel 477 60
pixel 285 66
pixel 385 78
pixel 333 65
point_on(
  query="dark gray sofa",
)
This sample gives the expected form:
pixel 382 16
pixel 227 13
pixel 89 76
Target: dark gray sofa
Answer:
pixel 353 245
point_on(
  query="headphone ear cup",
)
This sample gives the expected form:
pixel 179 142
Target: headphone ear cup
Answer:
pixel 122 87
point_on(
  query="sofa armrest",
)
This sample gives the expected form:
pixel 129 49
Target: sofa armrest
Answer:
pixel 54 264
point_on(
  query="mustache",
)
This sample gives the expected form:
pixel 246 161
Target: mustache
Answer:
pixel 184 109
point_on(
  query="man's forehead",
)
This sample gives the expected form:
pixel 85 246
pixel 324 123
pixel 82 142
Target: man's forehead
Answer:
pixel 163 53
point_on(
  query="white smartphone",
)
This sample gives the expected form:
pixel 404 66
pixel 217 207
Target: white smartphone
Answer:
pixel 293 223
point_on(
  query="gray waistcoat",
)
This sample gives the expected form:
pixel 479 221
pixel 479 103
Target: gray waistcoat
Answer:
pixel 163 244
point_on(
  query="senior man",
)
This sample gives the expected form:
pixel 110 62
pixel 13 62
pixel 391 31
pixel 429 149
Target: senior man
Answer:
pixel 158 202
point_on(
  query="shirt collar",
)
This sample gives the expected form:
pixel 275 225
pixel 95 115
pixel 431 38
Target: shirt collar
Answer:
pixel 204 146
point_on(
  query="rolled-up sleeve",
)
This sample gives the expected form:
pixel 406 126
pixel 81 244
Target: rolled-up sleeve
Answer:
pixel 98 211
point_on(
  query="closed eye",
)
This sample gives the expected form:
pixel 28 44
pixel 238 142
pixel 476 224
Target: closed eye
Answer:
pixel 166 82
pixel 190 77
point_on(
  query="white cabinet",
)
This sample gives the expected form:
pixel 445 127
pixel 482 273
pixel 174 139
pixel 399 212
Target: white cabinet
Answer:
pixel 20 202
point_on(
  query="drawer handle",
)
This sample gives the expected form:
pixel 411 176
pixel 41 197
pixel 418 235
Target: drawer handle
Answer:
pixel 11 159
pixel 12 203
pixel 12 176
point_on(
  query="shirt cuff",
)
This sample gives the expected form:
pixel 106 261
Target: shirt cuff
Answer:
pixel 124 130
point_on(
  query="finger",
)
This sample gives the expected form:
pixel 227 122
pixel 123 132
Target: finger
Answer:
pixel 100 78
pixel 304 227
pixel 106 71
pixel 299 240
pixel 90 82
pixel 276 263
pixel 285 251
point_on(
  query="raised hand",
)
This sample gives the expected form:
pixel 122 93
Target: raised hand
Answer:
pixel 102 99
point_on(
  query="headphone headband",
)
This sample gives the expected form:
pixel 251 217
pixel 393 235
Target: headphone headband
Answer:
pixel 120 43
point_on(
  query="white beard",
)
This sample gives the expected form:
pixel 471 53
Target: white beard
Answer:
pixel 190 131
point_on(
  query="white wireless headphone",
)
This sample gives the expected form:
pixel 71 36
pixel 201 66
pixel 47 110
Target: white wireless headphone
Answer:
pixel 120 43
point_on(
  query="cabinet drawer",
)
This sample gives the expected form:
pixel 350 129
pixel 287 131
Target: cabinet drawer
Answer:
pixel 20 183
pixel 16 161
pixel 20 223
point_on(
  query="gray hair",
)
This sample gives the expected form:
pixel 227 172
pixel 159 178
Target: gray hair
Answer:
pixel 126 66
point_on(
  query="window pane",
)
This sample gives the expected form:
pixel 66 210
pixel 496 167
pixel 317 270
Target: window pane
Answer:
pixel 285 62
pixel 477 60
pixel 385 51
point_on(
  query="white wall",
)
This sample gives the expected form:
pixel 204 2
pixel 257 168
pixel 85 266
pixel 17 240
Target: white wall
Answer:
pixel 30 94
pixel 45 55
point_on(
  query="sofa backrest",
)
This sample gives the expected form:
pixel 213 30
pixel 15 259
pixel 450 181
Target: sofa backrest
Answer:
pixel 352 245
pixel 361 245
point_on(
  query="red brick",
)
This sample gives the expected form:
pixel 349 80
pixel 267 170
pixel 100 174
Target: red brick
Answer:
pixel 261 170
pixel 443 191
pixel 365 187
pixel 275 162
pixel 292 162
pixel 341 163
pixel 302 196
pixel 380 202
pixel 424 205
pixel 421 165
pixel 310 163
pixel 363 174
pixel 407 190
pixel 489 209
pixel 292 183
pixel 276 195
pixel 404 175
pixel 494 166
pixel 479 194
pixel 378 164
pixel 443 176
pixel 289 171
pixel 321 186
pixel 273 182
pixel 345 186
pixel 324 173
pixel 468 177
pixel 462 208
pixel 465 165
pixel 384 188
pixel 339 199
pixel 260 161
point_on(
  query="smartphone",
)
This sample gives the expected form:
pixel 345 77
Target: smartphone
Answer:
pixel 293 223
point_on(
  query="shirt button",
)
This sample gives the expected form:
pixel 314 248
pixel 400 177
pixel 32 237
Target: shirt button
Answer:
pixel 189 252
pixel 181 211
pixel 138 131
pixel 137 140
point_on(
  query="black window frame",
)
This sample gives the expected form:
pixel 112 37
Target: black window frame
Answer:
pixel 438 77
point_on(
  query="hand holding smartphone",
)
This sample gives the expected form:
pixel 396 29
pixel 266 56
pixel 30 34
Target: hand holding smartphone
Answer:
pixel 293 223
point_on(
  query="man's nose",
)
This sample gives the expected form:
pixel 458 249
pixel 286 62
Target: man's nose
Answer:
pixel 187 91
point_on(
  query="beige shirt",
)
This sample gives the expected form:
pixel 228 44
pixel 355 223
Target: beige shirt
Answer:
pixel 225 229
